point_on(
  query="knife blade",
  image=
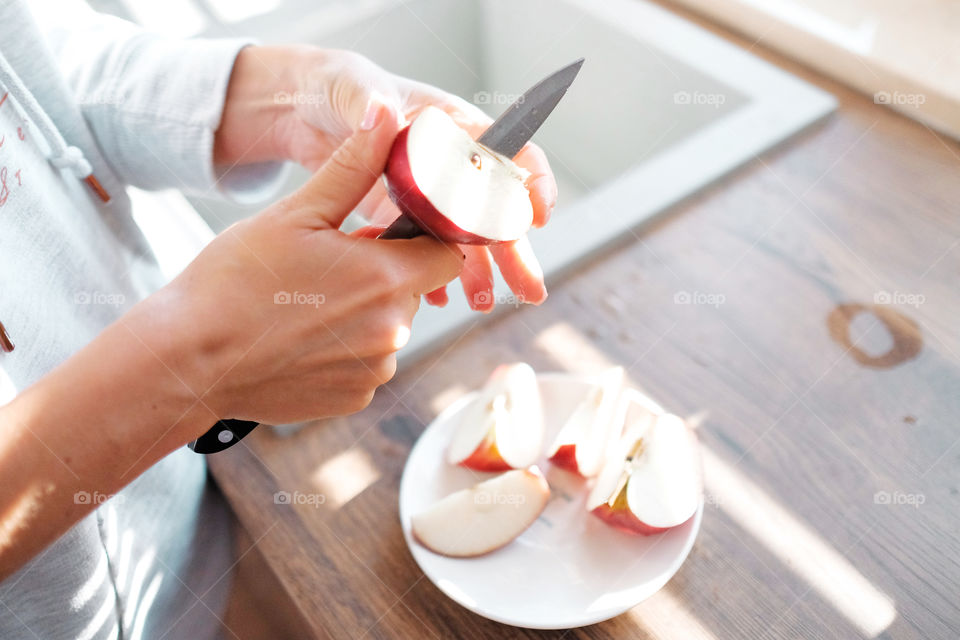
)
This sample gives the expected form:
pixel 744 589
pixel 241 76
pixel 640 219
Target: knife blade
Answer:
pixel 510 132
pixel 520 121
pixel 507 136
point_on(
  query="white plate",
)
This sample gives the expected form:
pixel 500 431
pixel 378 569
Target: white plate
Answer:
pixel 568 569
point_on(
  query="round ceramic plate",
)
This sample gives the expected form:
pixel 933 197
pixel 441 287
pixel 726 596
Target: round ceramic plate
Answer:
pixel 568 569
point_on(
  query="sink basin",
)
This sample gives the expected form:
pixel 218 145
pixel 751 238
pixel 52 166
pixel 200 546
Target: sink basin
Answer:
pixel 660 109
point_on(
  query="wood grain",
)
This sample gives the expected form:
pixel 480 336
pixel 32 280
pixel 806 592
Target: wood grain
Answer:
pixel 862 205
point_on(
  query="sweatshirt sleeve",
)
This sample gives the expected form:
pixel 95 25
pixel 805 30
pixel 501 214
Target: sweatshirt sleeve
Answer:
pixel 153 102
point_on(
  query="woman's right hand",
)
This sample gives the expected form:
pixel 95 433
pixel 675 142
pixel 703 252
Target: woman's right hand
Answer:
pixel 222 341
pixel 285 318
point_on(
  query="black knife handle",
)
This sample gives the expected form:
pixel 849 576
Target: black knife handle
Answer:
pixel 403 228
pixel 222 435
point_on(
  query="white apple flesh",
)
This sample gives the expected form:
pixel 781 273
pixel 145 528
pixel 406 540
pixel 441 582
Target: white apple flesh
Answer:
pixel 502 428
pixel 485 517
pixel 454 187
pixel 653 481
pixel 585 439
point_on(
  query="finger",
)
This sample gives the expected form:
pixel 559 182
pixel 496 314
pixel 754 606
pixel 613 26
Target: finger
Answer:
pixel 343 180
pixel 438 297
pixel 477 278
pixel 466 114
pixel 521 269
pixel 541 184
pixel 383 328
pixel 369 231
pixel 424 263
pixel 359 95
pixel 377 207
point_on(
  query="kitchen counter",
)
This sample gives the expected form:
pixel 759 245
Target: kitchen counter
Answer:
pixel 818 355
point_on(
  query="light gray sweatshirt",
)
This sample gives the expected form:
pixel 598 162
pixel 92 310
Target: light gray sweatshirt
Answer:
pixel 82 93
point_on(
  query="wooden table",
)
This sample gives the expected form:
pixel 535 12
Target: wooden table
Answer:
pixel 830 424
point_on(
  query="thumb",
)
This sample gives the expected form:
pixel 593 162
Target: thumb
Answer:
pixel 346 177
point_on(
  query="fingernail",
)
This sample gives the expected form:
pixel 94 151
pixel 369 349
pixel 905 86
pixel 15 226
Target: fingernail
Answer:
pixel 539 297
pixel 546 217
pixel 374 113
pixel 550 197
pixel 553 195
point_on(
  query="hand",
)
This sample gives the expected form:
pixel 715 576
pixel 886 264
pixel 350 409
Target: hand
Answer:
pixel 214 344
pixel 326 93
pixel 292 319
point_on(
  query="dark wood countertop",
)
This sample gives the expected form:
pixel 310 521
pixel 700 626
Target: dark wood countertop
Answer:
pixel 830 423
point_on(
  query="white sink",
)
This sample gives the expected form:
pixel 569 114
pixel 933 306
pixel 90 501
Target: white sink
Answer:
pixel 660 109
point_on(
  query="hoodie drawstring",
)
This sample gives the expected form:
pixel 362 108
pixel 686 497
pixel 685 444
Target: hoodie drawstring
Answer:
pixel 63 156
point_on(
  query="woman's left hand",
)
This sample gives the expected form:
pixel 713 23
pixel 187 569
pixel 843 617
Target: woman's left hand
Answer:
pixel 324 100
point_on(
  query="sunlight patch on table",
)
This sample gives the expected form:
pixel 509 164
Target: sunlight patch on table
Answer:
pixel 571 350
pixel 447 397
pixel 798 547
pixel 345 476
pixel 667 618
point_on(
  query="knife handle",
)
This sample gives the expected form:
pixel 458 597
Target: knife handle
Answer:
pixel 403 228
pixel 222 435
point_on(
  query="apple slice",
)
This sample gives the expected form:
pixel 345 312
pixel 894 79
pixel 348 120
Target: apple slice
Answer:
pixel 503 427
pixel 454 187
pixel 485 517
pixel 584 440
pixel 653 481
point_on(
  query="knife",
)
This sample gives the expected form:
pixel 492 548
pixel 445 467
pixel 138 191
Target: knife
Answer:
pixel 507 135
pixel 509 132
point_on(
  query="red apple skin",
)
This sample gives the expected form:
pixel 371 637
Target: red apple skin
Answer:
pixel 486 457
pixel 409 199
pixel 624 520
pixel 565 457
pixel 621 517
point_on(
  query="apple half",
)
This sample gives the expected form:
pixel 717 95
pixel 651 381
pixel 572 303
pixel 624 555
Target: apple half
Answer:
pixel 455 188
pixel 584 441
pixel 502 428
pixel 653 481
pixel 485 517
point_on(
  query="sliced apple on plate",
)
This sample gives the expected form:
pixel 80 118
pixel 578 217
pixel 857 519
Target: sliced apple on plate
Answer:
pixel 485 517
pixel 653 481
pixel 585 439
pixel 502 428
pixel 455 188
